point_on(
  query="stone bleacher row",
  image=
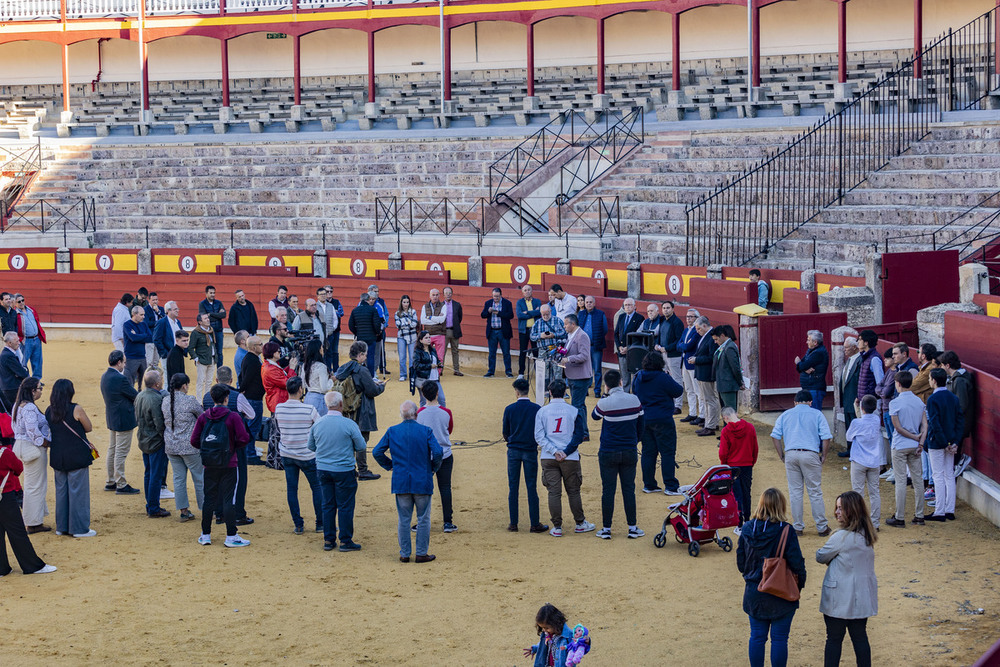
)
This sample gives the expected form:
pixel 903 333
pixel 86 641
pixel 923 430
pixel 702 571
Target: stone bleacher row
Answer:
pixel 790 85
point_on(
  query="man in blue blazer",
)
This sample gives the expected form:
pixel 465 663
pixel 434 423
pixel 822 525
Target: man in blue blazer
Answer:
pixel 166 327
pixel 595 323
pixel 527 313
pixel 119 413
pixel 12 371
pixel 944 435
pixel 498 313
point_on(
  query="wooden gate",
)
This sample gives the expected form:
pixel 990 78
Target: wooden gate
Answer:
pixel 915 280
pixel 782 338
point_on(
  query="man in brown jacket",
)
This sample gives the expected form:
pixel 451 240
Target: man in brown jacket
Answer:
pixel 432 318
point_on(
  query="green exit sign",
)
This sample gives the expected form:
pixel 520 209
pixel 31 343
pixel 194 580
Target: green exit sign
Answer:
pixel 276 35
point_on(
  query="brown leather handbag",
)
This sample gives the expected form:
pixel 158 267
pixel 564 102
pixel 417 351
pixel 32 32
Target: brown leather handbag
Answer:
pixel 777 579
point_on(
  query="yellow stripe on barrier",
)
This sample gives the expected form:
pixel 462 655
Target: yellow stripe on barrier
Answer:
pixel 993 309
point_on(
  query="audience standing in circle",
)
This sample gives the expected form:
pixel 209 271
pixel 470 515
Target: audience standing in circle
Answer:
pixel 70 455
pixel 31 436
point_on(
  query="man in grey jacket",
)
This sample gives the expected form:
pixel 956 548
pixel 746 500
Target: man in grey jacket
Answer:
pixel 726 365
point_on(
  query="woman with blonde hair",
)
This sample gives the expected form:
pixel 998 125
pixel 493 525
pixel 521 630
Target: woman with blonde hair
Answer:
pixel 769 614
pixel 850 589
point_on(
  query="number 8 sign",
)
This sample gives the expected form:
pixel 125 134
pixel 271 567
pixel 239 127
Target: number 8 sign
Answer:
pixel 519 274
pixel 187 263
pixel 358 267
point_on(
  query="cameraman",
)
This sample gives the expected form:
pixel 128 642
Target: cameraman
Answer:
pixel 279 336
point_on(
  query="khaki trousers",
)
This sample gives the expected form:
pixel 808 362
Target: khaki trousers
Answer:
pixel 803 469
pixel 862 476
pixel 206 376
pixel 452 342
pixel 121 444
pixel 35 482
pixel 901 460
pixel 710 396
pixel 555 474
pixel 696 406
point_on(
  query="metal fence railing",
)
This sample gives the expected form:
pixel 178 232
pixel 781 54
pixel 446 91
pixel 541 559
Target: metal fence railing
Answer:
pixel 748 215
pixel 47 216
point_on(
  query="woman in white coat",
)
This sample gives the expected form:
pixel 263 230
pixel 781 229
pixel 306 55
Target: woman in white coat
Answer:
pixel 31 441
pixel 850 589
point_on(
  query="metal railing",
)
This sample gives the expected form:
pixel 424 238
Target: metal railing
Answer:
pixel 970 231
pixel 46 216
pixel 611 147
pixel 745 217
pixel 22 166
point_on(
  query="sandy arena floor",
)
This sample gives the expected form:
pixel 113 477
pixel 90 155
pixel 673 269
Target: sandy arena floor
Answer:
pixel 144 592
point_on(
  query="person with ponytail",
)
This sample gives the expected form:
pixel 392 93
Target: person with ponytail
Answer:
pixel 316 376
pixel 180 412
pixel 70 456
pixel 31 443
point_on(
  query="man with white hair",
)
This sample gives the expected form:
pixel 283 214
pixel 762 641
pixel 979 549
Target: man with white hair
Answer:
pixel 165 332
pixel 812 368
pixel 12 371
pixel 136 335
pixel 703 358
pixel 434 317
pixel 310 320
pixel 687 345
pixel 627 322
pixel 336 441
pixel 848 382
pixel 415 457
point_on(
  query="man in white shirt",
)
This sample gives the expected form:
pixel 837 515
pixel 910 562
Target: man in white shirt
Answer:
pixel 559 430
pixel 565 304
pixel 909 421
pixel 295 418
pixel 433 316
pixel 121 314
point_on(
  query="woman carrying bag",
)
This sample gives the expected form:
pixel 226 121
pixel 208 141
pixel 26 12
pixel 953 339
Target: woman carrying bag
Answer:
pixel 770 559
pixel 11 525
pixel 71 455
pixel 426 367
pixel 31 441
pixel 850 589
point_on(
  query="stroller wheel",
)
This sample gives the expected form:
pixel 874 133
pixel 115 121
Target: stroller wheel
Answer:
pixel 660 540
pixel 726 544
pixel 693 549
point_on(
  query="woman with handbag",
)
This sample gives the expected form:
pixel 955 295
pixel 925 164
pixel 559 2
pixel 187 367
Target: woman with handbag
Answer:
pixel 771 562
pixel 850 589
pixel 426 367
pixel 71 455
pixel 180 413
pixel 31 441
pixel 11 524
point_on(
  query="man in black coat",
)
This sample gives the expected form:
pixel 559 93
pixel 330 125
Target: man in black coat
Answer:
pixel 453 328
pixel 178 353
pixel 252 387
pixel 498 312
pixel 366 325
pixel 628 322
pixel 704 356
pixel 12 371
pixel 243 315
pixel 812 368
pixel 119 413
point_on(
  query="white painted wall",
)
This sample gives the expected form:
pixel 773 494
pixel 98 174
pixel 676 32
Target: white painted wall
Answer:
pixel 804 26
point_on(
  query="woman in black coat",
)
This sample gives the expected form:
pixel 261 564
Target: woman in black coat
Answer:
pixel 426 367
pixel 768 613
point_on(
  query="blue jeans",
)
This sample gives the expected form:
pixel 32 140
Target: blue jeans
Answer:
pixel 578 398
pixel 152 479
pixel 404 350
pixel 331 353
pixel 308 468
pixel 779 629
pixel 405 504
pixel 370 361
pixel 817 395
pixel 516 458
pixel 887 420
pixel 219 341
pixel 495 337
pixel 596 358
pixel 33 354
pixel 339 491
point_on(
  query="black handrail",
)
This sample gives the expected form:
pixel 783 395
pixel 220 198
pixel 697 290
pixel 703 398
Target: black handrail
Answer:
pixel 51 216
pixel 959 224
pixel 611 147
pixel 745 217
pixel 25 165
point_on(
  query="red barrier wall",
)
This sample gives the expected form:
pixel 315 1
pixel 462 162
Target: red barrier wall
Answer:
pixel 989 303
pixel 898 332
pixel 661 281
pixel 827 281
pixel 616 274
pixel 778 280
pixel 801 302
pixel 721 294
pixel 782 338
pixel 574 284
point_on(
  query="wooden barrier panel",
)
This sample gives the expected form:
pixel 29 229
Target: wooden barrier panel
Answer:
pixel 276 272
pixel 799 301
pixel 355 264
pixel 516 271
pixel 104 260
pixel 456 265
pixel 574 284
pixel 27 259
pixel 898 332
pixel 782 338
pixel 827 281
pixel 721 294
pixel 615 273
pixel 989 303
pixel 662 281
pixel 778 280
pixel 439 278
pixel 189 260
pixel 302 260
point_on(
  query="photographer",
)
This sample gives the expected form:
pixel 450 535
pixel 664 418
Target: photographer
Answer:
pixel 368 388
pixel 275 376
pixel 279 336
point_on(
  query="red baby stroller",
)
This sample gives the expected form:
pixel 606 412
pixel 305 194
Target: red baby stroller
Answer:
pixel 708 506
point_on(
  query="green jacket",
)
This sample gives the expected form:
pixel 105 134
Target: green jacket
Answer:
pixel 149 420
pixel 202 347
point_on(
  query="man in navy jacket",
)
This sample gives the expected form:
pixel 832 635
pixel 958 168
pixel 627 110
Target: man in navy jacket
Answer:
pixel 166 327
pixel 12 371
pixel 522 451
pixel 944 435
pixel 119 413
pixel 812 368
pixel 216 315
pixel 668 344
pixel 595 323
pixel 498 313
pixel 527 313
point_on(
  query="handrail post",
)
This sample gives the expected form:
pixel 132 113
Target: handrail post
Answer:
pixel 41 209
pixel 951 70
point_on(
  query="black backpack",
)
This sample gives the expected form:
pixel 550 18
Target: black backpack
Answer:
pixel 215 443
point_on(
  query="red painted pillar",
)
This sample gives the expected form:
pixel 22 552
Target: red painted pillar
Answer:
pixel 996 43
pixel 297 68
pixel 225 72
pixel 842 41
pixel 447 63
pixel 675 65
pixel 755 45
pixel 222 7
pixel 371 67
pixel 918 38
pixel 145 76
pixel 65 73
pixel 531 59
pixel 600 56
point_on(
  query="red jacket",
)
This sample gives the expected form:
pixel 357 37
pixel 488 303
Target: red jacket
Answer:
pixel 10 463
pixel 275 378
pixel 739 444
pixel 20 328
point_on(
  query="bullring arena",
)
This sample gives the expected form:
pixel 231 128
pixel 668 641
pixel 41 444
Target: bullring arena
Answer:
pixel 656 151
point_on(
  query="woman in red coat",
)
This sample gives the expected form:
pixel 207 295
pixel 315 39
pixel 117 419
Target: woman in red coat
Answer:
pixel 11 523
pixel 274 377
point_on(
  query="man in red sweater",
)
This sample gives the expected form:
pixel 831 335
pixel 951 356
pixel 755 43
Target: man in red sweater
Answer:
pixel 738 449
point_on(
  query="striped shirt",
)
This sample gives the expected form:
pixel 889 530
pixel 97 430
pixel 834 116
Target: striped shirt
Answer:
pixel 623 422
pixel 295 418
pixel 406 325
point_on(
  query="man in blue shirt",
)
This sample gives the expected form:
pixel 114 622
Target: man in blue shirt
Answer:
pixel 216 315
pixel 30 331
pixel 763 292
pixel 802 437
pixel 416 456
pixel 595 324
pixel 336 439
pixel 136 334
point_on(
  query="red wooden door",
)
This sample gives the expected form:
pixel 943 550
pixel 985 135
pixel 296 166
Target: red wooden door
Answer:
pixel 782 338
pixel 915 280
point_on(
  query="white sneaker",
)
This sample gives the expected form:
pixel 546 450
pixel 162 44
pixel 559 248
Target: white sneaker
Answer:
pixel 604 533
pixel 205 540
pixel 166 494
pixel 237 541
pixel 962 464
pixel 519 377
pixel 636 532
pixel 887 474
pixel 737 531
pixel 89 533
pixel 59 532
pixel 402 379
pixel 556 532
pixel 584 527
pixel 46 569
